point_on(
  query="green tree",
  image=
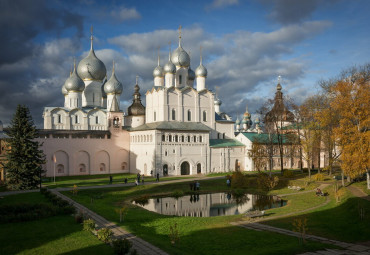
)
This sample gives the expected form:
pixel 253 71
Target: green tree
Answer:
pixel 24 157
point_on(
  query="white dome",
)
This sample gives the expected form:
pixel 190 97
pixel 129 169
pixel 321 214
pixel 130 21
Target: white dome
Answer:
pixel 201 71
pixel 64 90
pixel 158 71
pixel 91 68
pixel 180 57
pixel 113 86
pixel 74 83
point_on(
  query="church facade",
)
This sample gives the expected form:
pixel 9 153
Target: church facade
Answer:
pixel 180 131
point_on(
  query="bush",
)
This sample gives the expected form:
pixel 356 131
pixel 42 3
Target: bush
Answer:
pixel 239 180
pixel 174 234
pixel 266 182
pixel 79 217
pixel 121 247
pixel 177 193
pixel 105 235
pixel 25 212
pixel 318 177
pixel 287 173
pixel 89 225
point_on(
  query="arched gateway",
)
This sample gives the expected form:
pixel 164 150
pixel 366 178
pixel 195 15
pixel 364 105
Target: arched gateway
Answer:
pixel 185 168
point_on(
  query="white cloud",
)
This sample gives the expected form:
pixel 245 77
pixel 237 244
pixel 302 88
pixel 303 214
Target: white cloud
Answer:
pixel 122 14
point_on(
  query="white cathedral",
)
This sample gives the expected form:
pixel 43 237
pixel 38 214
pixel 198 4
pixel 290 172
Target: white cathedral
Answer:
pixel 181 130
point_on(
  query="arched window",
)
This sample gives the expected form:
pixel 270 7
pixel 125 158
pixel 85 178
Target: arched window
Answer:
pixel 176 138
pixel 189 139
pixel 189 115
pixel 204 116
pixel 96 119
pixel 182 138
pixel 170 138
pixel 76 119
pixel 218 136
pixel 200 139
pixel 223 136
pixel 163 138
pixel 82 168
pixel 155 116
pixel 180 79
pixel 59 118
pixel 173 114
pixel 194 139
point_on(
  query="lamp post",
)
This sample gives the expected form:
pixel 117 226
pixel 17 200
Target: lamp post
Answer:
pixel 54 162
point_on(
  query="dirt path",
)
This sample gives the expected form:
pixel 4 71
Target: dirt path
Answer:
pixel 358 193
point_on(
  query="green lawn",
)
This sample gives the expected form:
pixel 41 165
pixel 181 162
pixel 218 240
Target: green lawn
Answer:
pixel 53 235
pixel 213 235
pixel 339 221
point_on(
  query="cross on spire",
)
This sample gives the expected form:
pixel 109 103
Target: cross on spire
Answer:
pixel 158 55
pixel 201 58
pixel 279 79
pixel 169 55
pixel 91 37
pixel 113 67
pixel 180 35
pixel 137 79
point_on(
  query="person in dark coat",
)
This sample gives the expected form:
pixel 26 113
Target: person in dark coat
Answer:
pixel 157 177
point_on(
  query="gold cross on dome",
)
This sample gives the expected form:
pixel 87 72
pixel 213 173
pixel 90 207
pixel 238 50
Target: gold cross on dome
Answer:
pixel 137 79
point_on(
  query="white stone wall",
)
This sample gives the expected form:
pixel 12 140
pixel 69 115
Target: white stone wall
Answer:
pixel 79 156
pixel 227 158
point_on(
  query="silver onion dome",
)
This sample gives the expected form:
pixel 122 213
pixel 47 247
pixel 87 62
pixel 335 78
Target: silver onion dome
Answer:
pixel 103 94
pixel 91 68
pixel 113 86
pixel 201 71
pixel 74 82
pixel 191 74
pixel 237 122
pixel 217 101
pixel 180 57
pixel 158 71
pixel 64 90
pixel 169 67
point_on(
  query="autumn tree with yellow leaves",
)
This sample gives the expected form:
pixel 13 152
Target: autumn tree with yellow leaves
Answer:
pixel 350 99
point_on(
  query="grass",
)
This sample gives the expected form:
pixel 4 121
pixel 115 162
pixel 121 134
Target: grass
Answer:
pixel 339 221
pixel 98 180
pixel 213 235
pixel 53 235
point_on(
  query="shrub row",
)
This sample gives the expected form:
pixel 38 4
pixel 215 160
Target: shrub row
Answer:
pixel 20 212
pixel 25 212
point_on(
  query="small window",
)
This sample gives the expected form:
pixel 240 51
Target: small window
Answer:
pixel 223 136
pixel 182 139
pixel 96 119
pixel 155 116
pixel 176 138
pixel 76 119
pixel 163 138
pixel 59 118
pixel 180 79
pixel 204 116
pixel 170 138
pixel 189 139
pixel 189 115
pixel 173 114
pixel 200 139
pixel 93 98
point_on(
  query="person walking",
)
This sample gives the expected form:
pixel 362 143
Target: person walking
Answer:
pixel 110 179
pixel 125 180
pixel 228 182
pixel 136 183
pixel 197 185
pixel 157 177
pixel 142 178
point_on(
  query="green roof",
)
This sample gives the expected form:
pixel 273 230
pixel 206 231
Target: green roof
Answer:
pixel 219 143
pixel 173 125
pixel 264 137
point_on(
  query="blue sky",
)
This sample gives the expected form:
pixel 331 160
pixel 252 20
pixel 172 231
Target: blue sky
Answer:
pixel 246 45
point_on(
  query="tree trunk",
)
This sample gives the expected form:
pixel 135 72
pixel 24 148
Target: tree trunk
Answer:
pixel 318 163
pixel 368 179
pixel 309 169
pixel 342 178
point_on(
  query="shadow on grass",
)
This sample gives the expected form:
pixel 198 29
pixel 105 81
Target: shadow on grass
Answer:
pixel 341 222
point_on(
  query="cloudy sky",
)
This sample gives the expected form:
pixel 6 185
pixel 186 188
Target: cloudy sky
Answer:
pixel 246 45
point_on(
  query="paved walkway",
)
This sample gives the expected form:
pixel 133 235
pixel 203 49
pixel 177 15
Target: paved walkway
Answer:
pixel 141 246
pixel 350 248
pixel 358 192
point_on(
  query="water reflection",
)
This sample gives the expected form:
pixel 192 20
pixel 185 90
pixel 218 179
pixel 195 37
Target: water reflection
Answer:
pixel 208 205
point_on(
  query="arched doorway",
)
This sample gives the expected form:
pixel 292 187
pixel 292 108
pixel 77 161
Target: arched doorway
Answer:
pixel 199 168
pixel 237 165
pixel 82 168
pixel 165 170
pixel 185 168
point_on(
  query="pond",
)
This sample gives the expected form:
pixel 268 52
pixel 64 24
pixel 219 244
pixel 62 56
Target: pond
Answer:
pixel 209 205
